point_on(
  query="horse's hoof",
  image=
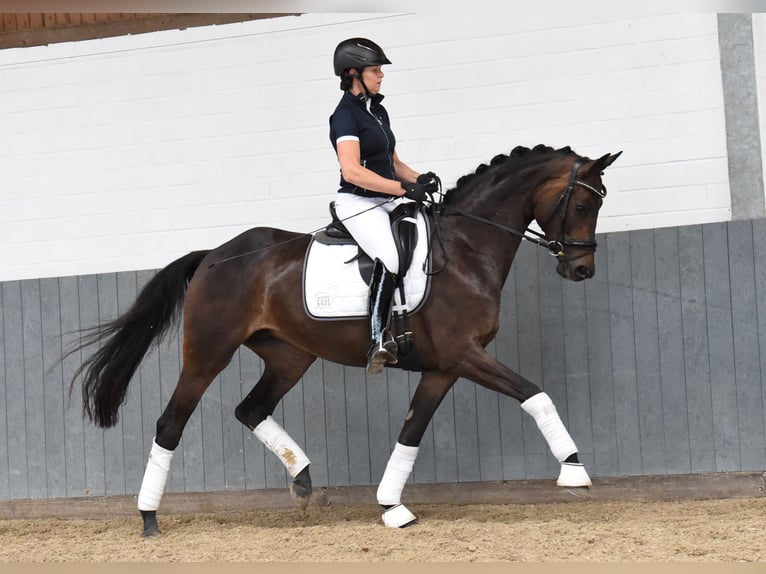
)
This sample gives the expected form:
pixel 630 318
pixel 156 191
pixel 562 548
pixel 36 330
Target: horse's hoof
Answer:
pixel 573 475
pixel 151 529
pixel 582 492
pixel 398 516
pixel 300 489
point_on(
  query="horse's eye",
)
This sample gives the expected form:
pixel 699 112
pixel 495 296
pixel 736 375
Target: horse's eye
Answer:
pixel 580 209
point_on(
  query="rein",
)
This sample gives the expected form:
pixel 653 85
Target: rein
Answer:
pixel 555 247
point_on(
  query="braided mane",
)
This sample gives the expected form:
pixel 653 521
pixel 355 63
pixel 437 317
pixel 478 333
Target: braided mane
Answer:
pixel 519 157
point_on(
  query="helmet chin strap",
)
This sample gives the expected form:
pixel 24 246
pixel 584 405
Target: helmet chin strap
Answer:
pixel 359 77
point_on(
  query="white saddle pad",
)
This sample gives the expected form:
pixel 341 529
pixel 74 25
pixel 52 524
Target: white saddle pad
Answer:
pixel 334 289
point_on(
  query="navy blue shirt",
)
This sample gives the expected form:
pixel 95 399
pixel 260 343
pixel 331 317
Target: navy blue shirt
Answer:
pixel 372 128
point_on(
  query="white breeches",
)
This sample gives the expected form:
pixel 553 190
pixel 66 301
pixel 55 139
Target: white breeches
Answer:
pixel 371 228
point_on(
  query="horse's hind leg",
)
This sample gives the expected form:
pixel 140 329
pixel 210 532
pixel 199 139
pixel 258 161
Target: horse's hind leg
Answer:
pixel 283 367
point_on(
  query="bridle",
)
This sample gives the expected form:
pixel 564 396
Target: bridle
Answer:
pixel 555 247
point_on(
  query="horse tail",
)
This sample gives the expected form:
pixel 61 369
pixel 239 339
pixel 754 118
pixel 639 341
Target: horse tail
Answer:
pixel 107 373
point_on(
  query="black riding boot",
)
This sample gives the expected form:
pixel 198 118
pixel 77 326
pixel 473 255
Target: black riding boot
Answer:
pixel 383 348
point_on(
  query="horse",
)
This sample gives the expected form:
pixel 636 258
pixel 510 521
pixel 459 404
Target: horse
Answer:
pixel 248 292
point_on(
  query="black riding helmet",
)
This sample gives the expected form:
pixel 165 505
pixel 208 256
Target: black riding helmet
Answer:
pixel 357 53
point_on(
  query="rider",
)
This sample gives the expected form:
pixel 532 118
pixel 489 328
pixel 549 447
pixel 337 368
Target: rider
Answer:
pixel 373 178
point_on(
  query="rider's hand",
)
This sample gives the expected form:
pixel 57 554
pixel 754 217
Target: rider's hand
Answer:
pixel 414 191
pixel 429 181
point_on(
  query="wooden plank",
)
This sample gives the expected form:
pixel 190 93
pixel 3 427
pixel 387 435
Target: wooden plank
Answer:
pixel 507 352
pixel 36 21
pixel 49 20
pixel 759 256
pixel 647 352
pixel 603 422
pixel 34 391
pixel 699 409
pixel 114 459
pixel 623 355
pixel 17 486
pixel 22 22
pixel 74 422
pixel 574 352
pixel 212 436
pixel 335 423
pixel 488 431
pixel 749 384
pixel 316 436
pixel 55 431
pixel 93 437
pixel 61 19
pixel 466 431
pixel 357 428
pixel 536 451
pixel 720 336
pixel 671 352
pixel 552 340
pixel 4 406
pixel 9 23
pixel 233 435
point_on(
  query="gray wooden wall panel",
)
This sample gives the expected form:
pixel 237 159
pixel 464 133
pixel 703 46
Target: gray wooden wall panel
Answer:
pixel 623 348
pixel 18 484
pixel 4 470
pixel 603 422
pixel 697 373
pixel 656 365
pixel 720 337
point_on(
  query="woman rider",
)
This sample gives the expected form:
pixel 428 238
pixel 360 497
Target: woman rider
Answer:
pixel 373 179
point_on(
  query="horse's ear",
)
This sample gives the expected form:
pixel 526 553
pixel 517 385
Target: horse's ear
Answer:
pixel 602 163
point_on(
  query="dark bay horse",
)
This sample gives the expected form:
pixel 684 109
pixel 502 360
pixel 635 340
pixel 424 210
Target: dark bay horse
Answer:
pixel 255 300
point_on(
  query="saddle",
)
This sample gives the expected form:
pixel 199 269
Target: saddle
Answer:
pixel 404 229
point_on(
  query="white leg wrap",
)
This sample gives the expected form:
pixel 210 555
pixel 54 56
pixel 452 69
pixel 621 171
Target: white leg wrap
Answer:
pixel 279 442
pixel 397 472
pixel 155 477
pixel 547 418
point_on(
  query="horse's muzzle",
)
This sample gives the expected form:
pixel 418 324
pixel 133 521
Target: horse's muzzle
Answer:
pixel 575 272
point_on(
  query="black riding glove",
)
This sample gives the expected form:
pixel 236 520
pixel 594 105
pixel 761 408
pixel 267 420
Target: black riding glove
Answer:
pixel 429 181
pixel 414 191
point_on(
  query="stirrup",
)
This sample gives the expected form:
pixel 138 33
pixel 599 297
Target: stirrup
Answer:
pixel 380 355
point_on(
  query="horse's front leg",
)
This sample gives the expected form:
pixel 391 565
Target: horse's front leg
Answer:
pixel 428 395
pixel 480 367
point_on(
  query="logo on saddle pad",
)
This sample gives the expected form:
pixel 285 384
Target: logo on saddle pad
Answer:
pixel 336 274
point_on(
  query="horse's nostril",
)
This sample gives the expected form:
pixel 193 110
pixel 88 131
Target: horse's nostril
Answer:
pixel 584 272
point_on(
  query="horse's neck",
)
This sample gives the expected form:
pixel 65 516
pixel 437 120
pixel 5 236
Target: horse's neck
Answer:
pixel 487 243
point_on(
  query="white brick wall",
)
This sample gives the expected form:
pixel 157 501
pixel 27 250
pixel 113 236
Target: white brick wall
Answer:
pixel 126 153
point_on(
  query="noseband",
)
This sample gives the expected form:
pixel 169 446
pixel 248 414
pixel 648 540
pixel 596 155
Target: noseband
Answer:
pixel 557 246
